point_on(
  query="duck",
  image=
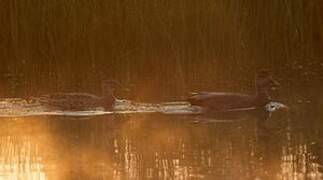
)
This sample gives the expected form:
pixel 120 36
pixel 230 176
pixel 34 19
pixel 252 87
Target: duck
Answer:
pixel 227 101
pixel 81 101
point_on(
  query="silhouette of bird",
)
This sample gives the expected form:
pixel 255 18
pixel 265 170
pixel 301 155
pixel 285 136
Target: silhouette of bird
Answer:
pixel 81 101
pixel 226 101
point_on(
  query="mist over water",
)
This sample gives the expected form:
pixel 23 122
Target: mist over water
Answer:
pixel 161 51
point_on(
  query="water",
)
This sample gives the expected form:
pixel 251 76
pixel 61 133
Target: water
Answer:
pixel 155 147
pixel 155 141
pixel 17 107
pixel 161 51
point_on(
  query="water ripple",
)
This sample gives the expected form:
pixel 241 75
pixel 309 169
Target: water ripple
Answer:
pixel 16 107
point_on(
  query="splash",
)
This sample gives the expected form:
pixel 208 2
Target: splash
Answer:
pixel 16 107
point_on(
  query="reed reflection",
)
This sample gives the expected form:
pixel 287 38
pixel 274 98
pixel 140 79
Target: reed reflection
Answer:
pixel 19 160
pixel 153 147
pixel 300 161
pixel 21 153
pixel 160 147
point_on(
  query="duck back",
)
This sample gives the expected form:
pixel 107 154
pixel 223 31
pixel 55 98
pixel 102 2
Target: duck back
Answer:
pixel 222 101
pixel 72 101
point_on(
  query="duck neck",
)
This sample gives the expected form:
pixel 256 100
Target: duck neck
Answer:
pixel 262 92
pixel 108 94
pixel 107 99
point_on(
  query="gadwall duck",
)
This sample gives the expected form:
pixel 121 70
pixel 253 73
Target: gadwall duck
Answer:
pixel 224 101
pixel 82 101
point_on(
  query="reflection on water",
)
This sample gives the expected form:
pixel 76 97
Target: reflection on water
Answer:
pixel 20 160
pixel 151 146
pixel 20 152
pixel 300 165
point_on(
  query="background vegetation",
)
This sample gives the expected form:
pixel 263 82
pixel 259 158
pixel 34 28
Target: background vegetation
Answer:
pixel 162 48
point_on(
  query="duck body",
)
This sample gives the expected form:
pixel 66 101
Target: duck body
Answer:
pixel 76 101
pixel 81 101
pixel 225 101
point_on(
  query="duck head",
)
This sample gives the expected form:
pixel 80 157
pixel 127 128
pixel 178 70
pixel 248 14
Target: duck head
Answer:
pixel 276 106
pixel 264 81
pixel 109 86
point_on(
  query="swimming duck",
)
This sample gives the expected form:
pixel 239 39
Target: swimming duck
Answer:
pixel 81 101
pixel 224 101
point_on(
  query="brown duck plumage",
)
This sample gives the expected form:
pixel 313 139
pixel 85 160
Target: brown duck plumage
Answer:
pixel 81 101
pixel 224 101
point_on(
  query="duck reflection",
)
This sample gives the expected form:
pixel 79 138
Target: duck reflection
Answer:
pixel 230 116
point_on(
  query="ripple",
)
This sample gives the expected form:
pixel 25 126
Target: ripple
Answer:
pixel 16 107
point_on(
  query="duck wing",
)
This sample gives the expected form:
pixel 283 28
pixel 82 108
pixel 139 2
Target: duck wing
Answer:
pixel 222 101
pixel 61 96
pixel 70 101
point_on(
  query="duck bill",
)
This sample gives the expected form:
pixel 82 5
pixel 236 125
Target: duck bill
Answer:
pixel 284 108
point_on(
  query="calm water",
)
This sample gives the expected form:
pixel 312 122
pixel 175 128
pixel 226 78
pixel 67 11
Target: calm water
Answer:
pixel 161 51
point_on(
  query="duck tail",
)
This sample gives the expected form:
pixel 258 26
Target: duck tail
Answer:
pixel 194 99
